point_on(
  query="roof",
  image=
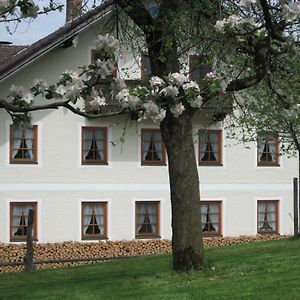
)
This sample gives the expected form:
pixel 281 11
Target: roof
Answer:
pixel 8 51
pixel 53 40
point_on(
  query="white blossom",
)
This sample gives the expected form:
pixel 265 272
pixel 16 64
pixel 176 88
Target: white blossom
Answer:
pixel 156 81
pixel 21 93
pixel 40 85
pixel 246 3
pixel 60 90
pixel 127 100
pixel 151 108
pixel 107 43
pixel 291 11
pixel 27 97
pixel 233 20
pixel 219 26
pixel 177 110
pixel 177 78
pixel 97 102
pixel 159 117
pixel 191 85
pixel 170 91
pixel 105 67
pixel 197 102
pixel 4 3
pixel 210 75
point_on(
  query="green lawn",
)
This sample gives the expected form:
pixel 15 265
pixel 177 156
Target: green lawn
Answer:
pixel 265 270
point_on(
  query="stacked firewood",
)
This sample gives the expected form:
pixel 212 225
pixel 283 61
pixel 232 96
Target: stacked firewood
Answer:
pixel 64 254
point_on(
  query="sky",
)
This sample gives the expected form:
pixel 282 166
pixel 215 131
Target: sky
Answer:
pixel 29 31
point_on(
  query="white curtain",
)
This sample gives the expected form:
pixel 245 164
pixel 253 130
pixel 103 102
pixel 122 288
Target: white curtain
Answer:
pixel 99 216
pixel 18 212
pixel 204 211
pixel 88 140
pixel 272 148
pixel 16 141
pixel 143 210
pixel 214 216
pixel 28 133
pixel 214 141
pixel 203 136
pixel 155 138
pixel 99 136
pixel 267 215
pixel 261 147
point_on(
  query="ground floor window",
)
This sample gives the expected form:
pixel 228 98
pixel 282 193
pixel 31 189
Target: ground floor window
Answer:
pixel 211 217
pixel 94 220
pixel 147 219
pixel 19 220
pixel 267 216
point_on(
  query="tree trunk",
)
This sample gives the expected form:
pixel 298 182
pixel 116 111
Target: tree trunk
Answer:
pixel 187 244
pixel 28 259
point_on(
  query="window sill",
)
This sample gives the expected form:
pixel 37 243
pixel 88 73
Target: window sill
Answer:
pixel 23 162
pixel 94 163
pixel 153 164
pixel 207 164
pixel 144 237
pixel 22 240
pixel 94 238
pixel 268 232
pixel 268 165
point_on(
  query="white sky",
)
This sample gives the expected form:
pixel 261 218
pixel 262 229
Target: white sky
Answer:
pixel 29 31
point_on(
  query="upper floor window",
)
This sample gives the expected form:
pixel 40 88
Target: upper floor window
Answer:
pixel 19 220
pixel 23 145
pixel 211 217
pixel 153 149
pixel 210 147
pixel 198 67
pixel 147 219
pixel 267 150
pixel 267 216
pixel 146 71
pixel 94 220
pixel 94 145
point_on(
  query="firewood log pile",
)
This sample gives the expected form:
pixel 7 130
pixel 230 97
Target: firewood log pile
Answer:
pixel 103 249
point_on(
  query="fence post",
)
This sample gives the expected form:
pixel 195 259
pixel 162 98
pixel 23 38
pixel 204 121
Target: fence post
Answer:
pixel 296 228
pixel 28 258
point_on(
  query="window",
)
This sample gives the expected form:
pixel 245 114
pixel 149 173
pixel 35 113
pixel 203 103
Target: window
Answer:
pixel 267 150
pixel 210 147
pixel 23 145
pixel 267 216
pixel 96 54
pixel 19 220
pixel 147 219
pixel 153 149
pixel 94 220
pixel 198 67
pixel 94 145
pixel 146 72
pixel 211 217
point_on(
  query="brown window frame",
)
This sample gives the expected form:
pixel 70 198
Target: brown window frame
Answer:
pixel 85 236
pixel 33 160
pixel 276 231
pixel 148 235
pixel 274 163
pixel 94 53
pixel 23 237
pixel 143 67
pixel 84 161
pixel 219 204
pixel 194 59
pixel 152 162
pixel 220 148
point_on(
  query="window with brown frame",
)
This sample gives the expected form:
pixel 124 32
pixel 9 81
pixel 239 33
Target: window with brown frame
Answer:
pixel 198 67
pixel 210 147
pixel 267 216
pixel 147 219
pixel 146 71
pixel 94 145
pixel 267 150
pixel 153 148
pixel 94 220
pixel 96 54
pixel 19 220
pixel 23 145
pixel 211 217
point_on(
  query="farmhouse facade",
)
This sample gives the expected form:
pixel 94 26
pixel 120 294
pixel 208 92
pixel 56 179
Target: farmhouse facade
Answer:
pixel 107 179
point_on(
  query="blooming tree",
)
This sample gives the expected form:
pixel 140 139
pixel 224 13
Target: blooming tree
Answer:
pixel 248 44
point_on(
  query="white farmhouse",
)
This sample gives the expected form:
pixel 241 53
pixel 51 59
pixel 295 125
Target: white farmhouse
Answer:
pixel 107 179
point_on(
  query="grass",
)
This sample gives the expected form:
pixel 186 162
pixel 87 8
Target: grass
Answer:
pixel 265 270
